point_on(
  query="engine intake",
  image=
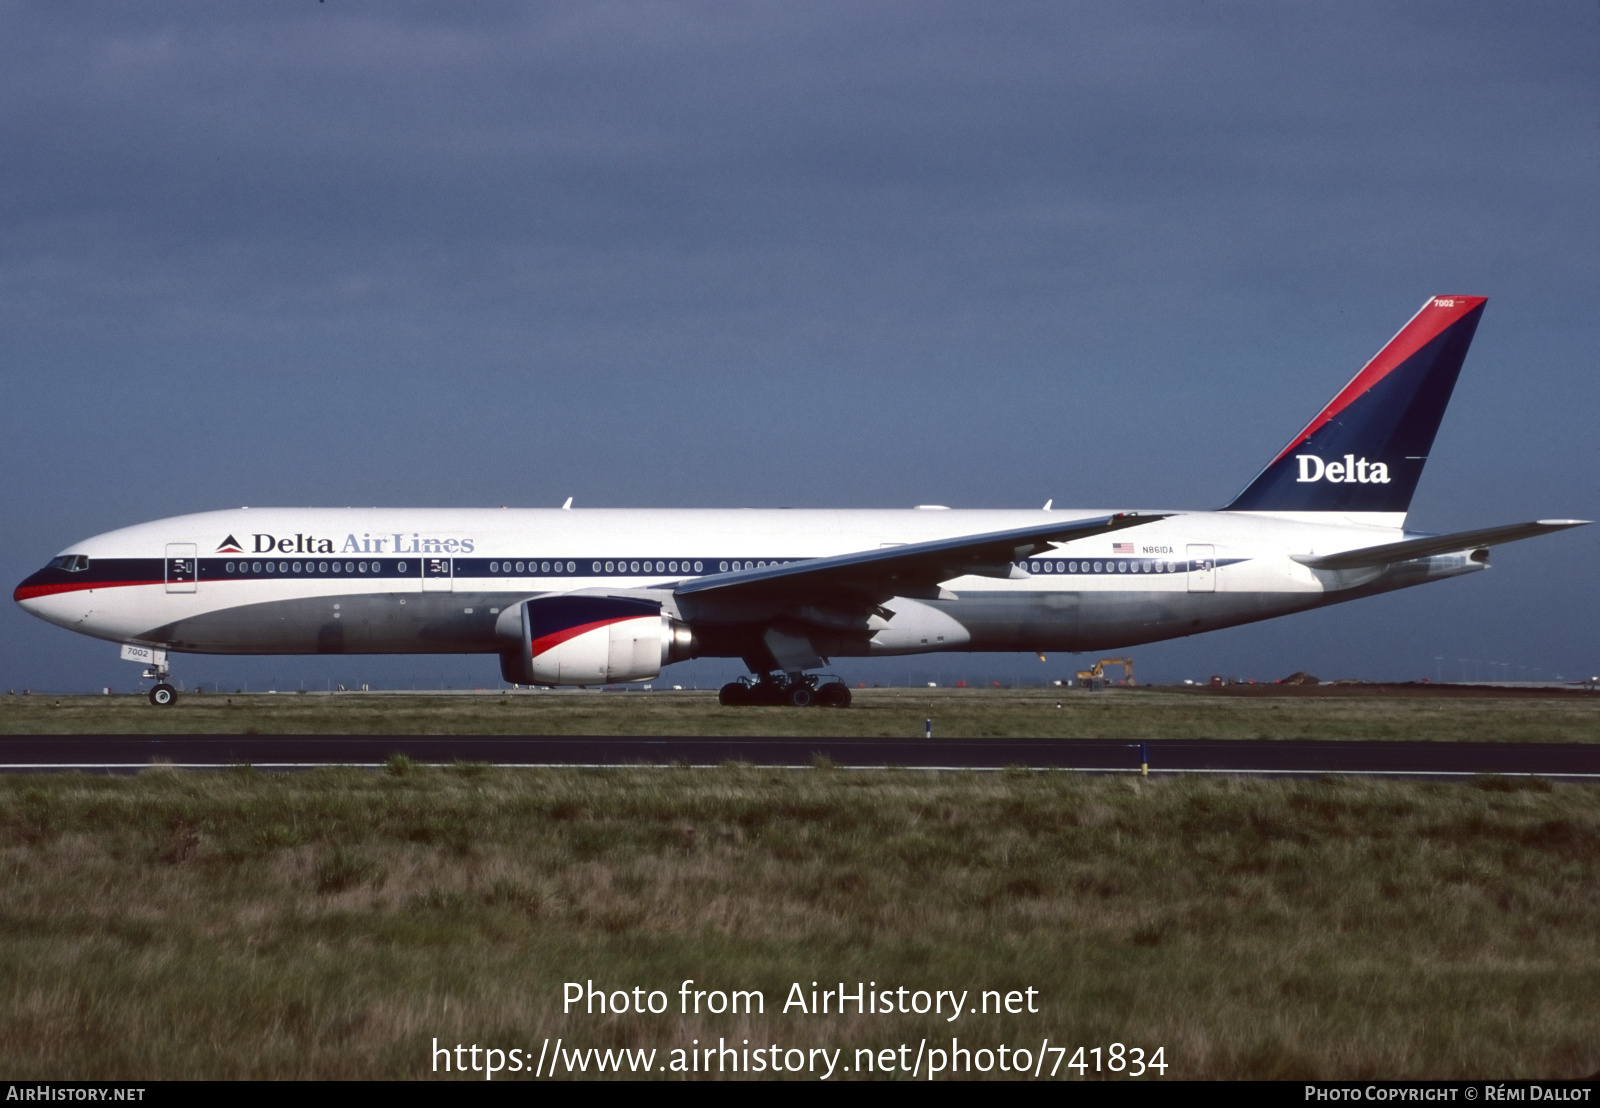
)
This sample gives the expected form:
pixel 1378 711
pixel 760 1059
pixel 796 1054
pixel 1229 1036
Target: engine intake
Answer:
pixel 591 640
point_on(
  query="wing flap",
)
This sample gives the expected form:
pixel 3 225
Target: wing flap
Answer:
pixel 1389 553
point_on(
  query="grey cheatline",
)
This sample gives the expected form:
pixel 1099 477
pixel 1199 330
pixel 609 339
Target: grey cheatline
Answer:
pixel 571 596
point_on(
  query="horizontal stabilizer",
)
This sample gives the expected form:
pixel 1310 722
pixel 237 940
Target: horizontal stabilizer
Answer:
pixel 895 570
pixel 1389 553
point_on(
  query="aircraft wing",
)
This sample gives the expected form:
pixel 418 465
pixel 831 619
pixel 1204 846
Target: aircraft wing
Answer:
pixel 1392 552
pixel 911 569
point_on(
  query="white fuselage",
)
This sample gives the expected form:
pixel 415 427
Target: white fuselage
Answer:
pixel 389 581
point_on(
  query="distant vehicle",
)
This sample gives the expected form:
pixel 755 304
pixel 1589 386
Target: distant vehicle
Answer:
pixel 1094 677
pixel 590 597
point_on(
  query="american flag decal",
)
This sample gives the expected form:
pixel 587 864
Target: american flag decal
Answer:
pixel 1122 548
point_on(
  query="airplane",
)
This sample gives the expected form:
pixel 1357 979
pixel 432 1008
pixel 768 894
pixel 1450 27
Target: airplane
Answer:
pixel 585 597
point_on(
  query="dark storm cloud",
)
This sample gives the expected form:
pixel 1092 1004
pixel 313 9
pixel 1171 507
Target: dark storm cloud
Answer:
pixel 302 164
pixel 863 253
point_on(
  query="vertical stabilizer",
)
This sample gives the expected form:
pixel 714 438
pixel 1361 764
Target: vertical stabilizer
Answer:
pixel 1365 451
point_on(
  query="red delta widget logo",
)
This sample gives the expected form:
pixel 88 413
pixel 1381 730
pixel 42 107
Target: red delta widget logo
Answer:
pixel 1351 471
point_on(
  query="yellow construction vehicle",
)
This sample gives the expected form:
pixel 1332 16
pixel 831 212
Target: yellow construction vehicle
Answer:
pixel 1095 678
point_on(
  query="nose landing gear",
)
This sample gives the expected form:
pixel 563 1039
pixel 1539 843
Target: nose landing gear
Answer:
pixel 163 695
pixel 156 669
pixel 795 691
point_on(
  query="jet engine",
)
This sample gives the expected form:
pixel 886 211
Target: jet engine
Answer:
pixel 590 640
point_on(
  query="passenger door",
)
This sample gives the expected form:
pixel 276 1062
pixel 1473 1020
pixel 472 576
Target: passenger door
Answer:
pixel 436 575
pixel 1202 568
pixel 183 568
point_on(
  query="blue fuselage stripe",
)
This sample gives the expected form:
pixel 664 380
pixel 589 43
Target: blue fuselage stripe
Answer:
pixel 109 572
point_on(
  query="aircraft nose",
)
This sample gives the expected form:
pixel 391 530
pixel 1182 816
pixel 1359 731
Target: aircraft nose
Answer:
pixel 27 592
pixel 34 593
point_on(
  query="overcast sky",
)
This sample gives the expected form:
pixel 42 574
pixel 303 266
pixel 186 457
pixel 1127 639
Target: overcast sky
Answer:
pixel 810 254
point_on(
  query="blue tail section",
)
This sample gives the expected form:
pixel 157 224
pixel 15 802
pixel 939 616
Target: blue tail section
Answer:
pixel 1365 451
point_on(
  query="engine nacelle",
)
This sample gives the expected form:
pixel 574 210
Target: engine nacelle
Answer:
pixel 590 640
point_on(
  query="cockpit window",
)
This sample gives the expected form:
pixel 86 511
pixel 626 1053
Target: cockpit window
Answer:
pixel 72 563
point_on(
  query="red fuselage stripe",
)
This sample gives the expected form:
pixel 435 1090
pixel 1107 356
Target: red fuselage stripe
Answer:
pixel 28 592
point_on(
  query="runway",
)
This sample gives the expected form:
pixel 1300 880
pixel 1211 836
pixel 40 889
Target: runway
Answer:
pixel 1441 760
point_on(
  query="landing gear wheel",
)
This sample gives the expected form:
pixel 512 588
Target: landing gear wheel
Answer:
pixel 801 696
pixel 834 695
pixel 769 694
pixel 735 694
pixel 163 695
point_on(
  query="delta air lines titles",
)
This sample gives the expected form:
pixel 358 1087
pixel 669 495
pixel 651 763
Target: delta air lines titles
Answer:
pixel 367 544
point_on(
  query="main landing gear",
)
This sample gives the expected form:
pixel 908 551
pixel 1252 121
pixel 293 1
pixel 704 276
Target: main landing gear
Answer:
pixel 799 691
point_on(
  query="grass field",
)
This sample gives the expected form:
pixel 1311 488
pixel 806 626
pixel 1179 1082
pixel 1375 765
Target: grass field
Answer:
pixel 333 923
pixel 957 713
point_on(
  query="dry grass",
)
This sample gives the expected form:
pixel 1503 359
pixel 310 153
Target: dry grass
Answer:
pixel 958 713
pixel 331 924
